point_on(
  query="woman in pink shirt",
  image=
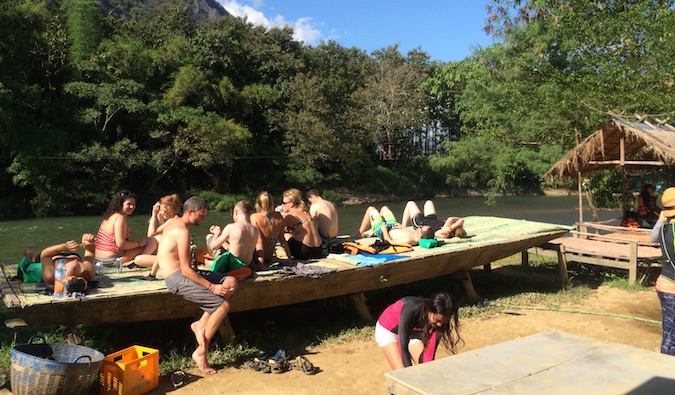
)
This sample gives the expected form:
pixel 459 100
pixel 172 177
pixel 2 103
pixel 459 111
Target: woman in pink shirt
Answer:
pixel 411 329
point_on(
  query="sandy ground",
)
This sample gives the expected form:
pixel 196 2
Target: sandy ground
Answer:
pixel 358 367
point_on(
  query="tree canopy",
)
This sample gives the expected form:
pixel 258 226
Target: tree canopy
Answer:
pixel 164 101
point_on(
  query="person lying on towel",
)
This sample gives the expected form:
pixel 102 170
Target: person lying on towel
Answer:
pixel 383 224
pixel 76 266
pixel 451 227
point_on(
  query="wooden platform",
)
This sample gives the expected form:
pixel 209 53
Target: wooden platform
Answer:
pixel 546 363
pixel 608 246
pixel 125 297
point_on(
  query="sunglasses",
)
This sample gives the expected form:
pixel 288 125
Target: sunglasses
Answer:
pixel 127 194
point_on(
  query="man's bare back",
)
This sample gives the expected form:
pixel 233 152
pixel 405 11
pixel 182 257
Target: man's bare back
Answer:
pixel 326 213
pixel 240 235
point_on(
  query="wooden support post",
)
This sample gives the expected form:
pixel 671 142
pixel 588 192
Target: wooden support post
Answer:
pixel 633 263
pixel 525 259
pixel 359 302
pixel 467 283
pixel 487 267
pixel 562 265
pixel 226 332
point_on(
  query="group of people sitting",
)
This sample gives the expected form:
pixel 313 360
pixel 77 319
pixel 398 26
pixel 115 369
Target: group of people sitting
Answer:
pixel 249 242
pixel 303 232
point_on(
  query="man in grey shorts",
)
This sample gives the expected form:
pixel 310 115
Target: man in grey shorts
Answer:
pixel 173 255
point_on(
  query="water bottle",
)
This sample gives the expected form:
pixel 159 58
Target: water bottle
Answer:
pixel 193 246
pixel 60 280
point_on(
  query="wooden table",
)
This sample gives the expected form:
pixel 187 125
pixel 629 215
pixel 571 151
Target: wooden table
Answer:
pixel 545 363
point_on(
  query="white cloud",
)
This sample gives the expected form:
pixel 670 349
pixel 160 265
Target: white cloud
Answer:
pixel 303 29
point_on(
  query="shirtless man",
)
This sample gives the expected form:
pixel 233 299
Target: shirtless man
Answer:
pixel 451 227
pixel 325 212
pixel 240 237
pixel 383 224
pixel 75 265
pixel 173 255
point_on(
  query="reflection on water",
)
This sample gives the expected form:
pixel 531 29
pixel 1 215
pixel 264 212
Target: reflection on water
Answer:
pixel 37 233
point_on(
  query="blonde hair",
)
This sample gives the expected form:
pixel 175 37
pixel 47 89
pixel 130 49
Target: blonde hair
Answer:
pixel 173 202
pixel 296 197
pixel 264 203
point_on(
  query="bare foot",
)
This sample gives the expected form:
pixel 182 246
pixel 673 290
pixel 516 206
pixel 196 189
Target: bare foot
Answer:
pixel 199 333
pixel 28 254
pixel 199 356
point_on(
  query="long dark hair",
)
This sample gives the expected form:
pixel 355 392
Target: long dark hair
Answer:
pixel 646 196
pixel 446 304
pixel 117 201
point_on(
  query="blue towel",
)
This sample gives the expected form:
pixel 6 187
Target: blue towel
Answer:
pixel 370 259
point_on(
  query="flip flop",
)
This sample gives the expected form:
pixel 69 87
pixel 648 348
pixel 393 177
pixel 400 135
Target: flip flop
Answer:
pixel 301 363
pixel 149 277
pixel 177 378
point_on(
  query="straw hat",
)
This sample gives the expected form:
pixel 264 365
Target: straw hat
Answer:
pixel 668 200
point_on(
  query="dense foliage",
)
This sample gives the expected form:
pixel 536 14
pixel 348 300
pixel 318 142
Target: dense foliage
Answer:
pixel 91 103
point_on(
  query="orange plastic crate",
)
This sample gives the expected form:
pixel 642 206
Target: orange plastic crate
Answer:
pixel 132 371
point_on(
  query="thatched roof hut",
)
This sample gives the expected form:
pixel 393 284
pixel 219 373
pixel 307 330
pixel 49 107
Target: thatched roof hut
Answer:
pixel 618 144
pixel 622 144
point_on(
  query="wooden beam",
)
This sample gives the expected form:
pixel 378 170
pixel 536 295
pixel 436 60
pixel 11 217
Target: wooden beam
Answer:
pixel 628 162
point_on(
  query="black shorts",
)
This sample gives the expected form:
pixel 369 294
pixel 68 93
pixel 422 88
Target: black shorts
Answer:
pixel 431 220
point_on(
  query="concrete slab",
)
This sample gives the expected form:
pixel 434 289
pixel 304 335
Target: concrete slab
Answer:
pixel 550 363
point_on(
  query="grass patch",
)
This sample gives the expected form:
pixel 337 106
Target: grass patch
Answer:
pixel 333 321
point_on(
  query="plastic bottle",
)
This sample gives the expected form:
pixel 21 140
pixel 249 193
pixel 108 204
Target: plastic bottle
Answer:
pixel 193 246
pixel 60 280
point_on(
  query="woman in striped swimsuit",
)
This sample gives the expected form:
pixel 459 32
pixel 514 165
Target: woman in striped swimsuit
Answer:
pixel 112 239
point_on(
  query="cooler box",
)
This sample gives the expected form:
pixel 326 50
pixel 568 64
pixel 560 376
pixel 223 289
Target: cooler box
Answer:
pixel 132 371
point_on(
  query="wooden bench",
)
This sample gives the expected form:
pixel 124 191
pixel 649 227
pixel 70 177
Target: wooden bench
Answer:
pixel 617 248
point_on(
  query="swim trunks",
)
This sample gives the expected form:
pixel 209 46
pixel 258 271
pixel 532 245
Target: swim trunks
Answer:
pixel 226 262
pixel 430 220
pixel 377 220
pixel 207 301
pixel 302 251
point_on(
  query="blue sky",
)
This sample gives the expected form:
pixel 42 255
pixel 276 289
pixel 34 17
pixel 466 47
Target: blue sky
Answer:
pixel 447 30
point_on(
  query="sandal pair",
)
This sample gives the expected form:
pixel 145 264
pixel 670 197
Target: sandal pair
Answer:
pixel 279 362
pixel 301 363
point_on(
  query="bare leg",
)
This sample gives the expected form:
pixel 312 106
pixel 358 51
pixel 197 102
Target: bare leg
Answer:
pixel 415 350
pixel 145 260
pixel 429 208
pixel 204 330
pixel 365 222
pixel 410 211
pixel 198 329
pixel 151 246
pixel 393 356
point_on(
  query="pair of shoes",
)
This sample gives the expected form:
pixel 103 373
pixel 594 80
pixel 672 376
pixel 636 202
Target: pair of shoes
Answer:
pixel 301 363
pixel 279 362
pixel 259 366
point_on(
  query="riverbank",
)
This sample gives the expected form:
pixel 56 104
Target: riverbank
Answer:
pixel 354 198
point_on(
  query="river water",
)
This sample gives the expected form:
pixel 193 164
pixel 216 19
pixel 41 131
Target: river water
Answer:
pixel 37 233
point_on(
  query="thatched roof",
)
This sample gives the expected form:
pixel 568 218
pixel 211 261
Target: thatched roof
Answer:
pixel 645 145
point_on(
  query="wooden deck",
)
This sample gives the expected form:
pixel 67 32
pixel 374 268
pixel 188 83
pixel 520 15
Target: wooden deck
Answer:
pixel 609 246
pixel 125 297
